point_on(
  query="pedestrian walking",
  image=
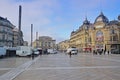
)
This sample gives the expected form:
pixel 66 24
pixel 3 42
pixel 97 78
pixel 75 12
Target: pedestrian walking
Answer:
pixel 70 54
pixel 32 55
pixel 40 52
pixel 93 52
pixel 104 52
pixel 108 52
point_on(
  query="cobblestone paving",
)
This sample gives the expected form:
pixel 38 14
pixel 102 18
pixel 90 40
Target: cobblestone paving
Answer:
pixel 78 67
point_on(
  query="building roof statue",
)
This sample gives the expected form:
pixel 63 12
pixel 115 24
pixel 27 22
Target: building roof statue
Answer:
pixel 86 22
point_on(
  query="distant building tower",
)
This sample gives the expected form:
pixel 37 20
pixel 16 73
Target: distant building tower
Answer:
pixel 20 15
pixel 21 41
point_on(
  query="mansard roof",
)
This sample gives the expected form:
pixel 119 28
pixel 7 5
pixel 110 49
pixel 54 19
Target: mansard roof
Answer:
pixel 113 22
pixel 5 22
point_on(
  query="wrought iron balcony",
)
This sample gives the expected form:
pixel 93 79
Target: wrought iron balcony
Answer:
pixel 113 42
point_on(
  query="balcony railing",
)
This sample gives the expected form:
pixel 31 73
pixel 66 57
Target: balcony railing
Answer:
pixel 113 42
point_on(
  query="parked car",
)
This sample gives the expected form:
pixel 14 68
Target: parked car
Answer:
pixel 51 51
pixel 73 51
pixel 115 51
pixel 36 52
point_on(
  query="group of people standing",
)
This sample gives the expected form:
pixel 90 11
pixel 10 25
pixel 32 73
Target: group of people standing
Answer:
pixel 100 52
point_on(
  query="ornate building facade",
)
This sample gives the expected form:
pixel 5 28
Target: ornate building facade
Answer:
pixel 17 39
pixel 45 42
pixel 102 34
pixel 63 46
pixel 6 32
pixel 10 36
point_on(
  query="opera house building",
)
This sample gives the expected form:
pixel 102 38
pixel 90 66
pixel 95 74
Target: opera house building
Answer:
pixel 102 34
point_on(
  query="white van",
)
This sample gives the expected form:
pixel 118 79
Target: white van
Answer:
pixel 24 51
pixel 52 51
pixel 2 51
pixel 73 51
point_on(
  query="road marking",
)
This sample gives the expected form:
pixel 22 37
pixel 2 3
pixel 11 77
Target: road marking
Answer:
pixel 57 68
pixel 6 68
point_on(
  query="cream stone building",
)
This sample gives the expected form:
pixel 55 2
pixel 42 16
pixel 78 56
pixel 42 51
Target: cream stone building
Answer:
pixel 102 34
pixel 6 32
pixel 63 46
pixel 45 42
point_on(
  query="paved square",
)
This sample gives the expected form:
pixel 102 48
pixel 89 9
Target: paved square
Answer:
pixel 78 67
pixel 62 67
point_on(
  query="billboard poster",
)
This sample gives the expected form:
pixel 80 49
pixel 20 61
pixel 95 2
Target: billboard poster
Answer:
pixel 99 36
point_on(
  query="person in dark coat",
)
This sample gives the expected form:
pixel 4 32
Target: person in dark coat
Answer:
pixel 108 52
pixel 32 55
pixel 104 52
pixel 70 54
pixel 93 52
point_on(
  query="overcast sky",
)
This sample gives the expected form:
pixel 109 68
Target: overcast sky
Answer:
pixel 56 18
